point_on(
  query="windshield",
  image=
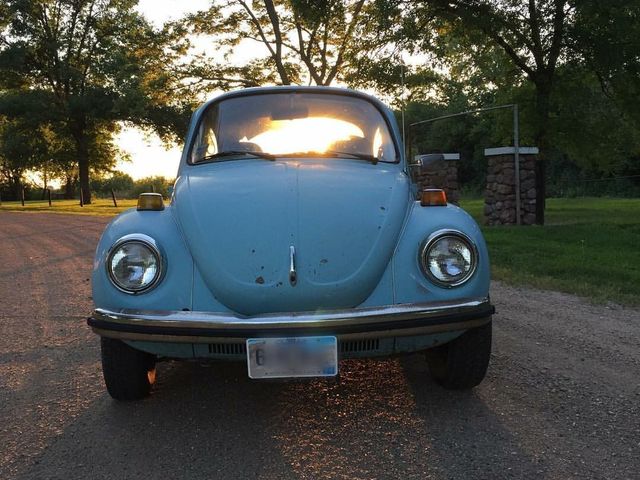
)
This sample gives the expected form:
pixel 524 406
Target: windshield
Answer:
pixel 294 124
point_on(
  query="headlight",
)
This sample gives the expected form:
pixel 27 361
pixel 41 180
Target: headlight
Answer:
pixel 448 258
pixel 134 263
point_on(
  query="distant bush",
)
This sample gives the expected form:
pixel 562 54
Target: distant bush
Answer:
pixel 126 187
pixel 155 184
pixel 121 183
pixel 621 187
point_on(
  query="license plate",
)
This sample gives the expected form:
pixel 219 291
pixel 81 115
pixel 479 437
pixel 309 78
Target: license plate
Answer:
pixel 292 357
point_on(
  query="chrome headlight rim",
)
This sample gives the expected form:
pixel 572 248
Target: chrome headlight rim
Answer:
pixel 149 243
pixel 435 237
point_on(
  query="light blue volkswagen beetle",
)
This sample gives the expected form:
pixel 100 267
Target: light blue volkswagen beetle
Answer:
pixel 295 237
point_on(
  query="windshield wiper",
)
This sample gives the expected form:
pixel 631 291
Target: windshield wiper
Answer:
pixel 230 153
pixel 270 156
pixel 360 156
pixel 329 153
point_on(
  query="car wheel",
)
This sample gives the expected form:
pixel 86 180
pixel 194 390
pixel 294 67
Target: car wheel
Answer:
pixel 462 363
pixel 128 373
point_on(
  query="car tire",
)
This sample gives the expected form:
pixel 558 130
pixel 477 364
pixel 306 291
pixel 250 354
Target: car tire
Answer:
pixel 462 363
pixel 128 373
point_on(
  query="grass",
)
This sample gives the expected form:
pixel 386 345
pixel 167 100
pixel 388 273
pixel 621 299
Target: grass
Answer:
pixel 99 206
pixel 589 247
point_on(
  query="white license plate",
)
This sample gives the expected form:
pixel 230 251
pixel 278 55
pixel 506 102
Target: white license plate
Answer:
pixel 292 357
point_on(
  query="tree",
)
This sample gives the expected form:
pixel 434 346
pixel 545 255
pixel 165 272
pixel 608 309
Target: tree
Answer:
pixel 88 64
pixel 581 109
pixel 533 35
pixel 606 39
pixel 21 147
pixel 302 40
pixel 102 152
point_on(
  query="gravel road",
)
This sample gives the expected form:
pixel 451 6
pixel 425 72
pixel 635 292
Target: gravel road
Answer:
pixel 561 400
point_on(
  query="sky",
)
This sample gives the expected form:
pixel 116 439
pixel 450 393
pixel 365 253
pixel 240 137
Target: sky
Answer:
pixel 148 154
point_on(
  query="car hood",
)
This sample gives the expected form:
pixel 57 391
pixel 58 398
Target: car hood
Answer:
pixel 242 220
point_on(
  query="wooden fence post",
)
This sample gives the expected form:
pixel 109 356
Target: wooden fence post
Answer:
pixel 22 196
pixel 49 195
pixel 113 196
pixel 81 198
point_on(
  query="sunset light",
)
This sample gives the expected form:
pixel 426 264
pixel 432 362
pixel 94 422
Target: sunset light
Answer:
pixel 312 134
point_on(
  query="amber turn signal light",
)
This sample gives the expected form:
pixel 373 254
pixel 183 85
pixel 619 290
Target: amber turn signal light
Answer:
pixel 433 197
pixel 150 201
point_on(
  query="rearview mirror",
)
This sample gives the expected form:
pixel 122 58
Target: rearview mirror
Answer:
pixel 291 112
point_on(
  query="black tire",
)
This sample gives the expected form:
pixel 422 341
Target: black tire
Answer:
pixel 128 373
pixel 462 363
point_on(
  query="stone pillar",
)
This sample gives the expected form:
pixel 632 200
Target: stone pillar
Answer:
pixel 500 194
pixel 444 176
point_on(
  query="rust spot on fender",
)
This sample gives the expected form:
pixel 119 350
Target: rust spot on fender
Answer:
pixel 260 280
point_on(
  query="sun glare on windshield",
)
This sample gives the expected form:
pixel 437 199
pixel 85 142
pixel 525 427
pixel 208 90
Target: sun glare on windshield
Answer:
pixel 312 134
pixel 285 124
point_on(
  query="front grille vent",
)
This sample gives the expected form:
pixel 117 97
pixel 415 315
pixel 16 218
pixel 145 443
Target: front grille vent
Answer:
pixel 366 345
pixel 227 349
pixel 349 346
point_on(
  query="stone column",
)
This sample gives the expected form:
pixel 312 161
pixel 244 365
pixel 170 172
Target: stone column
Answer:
pixel 500 194
pixel 444 176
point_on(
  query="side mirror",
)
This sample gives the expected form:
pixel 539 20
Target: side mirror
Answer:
pixel 425 163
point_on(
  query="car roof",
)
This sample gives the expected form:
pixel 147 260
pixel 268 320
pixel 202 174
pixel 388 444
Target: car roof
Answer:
pixel 297 89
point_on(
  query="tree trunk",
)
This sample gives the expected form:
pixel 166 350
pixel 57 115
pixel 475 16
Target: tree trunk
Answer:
pixel 82 154
pixel 69 188
pixel 17 188
pixel 543 95
pixel 44 188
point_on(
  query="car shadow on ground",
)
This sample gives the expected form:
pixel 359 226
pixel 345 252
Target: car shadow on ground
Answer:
pixel 469 438
pixel 379 419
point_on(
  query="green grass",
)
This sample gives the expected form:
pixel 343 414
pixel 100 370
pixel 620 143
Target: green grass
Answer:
pixel 589 247
pixel 98 207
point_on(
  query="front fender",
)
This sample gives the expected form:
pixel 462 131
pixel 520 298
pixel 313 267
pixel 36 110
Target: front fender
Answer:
pixel 174 292
pixel 409 283
pixel 404 282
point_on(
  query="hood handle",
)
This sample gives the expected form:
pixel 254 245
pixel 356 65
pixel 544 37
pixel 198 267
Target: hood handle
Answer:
pixel 293 275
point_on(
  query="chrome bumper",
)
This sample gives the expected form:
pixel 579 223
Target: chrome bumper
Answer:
pixel 201 327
